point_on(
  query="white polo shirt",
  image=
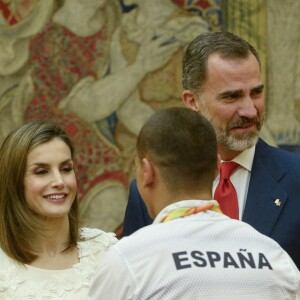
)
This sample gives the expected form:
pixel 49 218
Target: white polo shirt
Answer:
pixel 201 256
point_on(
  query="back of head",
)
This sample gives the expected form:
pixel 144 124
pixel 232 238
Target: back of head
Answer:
pixel 182 144
pixel 17 222
pixel 195 59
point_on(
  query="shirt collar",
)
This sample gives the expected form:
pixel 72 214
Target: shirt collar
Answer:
pixel 245 159
pixel 183 203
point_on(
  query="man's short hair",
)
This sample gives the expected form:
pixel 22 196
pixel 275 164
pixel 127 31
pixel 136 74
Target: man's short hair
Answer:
pixel 182 144
pixel 195 59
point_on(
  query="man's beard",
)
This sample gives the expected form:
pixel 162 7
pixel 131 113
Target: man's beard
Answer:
pixel 239 142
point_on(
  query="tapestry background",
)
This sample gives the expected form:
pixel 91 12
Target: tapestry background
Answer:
pixel 97 68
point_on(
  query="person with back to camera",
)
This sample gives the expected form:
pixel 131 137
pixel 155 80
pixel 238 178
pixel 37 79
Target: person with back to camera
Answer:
pixel 43 253
pixel 191 251
pixel 222 81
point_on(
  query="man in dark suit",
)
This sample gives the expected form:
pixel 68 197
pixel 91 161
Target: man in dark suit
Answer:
pixel 222 81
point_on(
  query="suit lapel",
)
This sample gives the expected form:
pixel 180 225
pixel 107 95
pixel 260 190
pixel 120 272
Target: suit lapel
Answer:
pixel 266 198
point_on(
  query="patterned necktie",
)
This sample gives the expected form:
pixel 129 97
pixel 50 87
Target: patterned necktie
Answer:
pixel 225 192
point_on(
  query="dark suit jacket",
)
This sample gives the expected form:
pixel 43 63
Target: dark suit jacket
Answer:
pixel 272 205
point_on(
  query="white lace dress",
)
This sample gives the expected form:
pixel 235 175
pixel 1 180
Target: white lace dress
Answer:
pixel 18 281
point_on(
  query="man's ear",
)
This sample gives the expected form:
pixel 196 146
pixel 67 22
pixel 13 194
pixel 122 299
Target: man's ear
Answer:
pixel 148 172
pixel 190 100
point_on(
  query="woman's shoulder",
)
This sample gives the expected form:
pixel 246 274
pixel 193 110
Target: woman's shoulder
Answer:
pixel 97 235
pixel 94 242
pixel 19 281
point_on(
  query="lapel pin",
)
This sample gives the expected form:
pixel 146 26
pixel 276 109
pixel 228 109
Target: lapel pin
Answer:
pixel 277 202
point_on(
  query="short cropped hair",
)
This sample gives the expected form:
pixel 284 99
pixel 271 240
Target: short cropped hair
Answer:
pixel 195 59
pixel 183 145
pixel 19 224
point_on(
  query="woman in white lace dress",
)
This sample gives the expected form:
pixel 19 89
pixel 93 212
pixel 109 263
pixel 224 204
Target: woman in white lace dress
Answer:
pixel 43 253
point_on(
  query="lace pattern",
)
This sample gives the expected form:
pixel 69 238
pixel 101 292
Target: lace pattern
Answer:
pixel 57 284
